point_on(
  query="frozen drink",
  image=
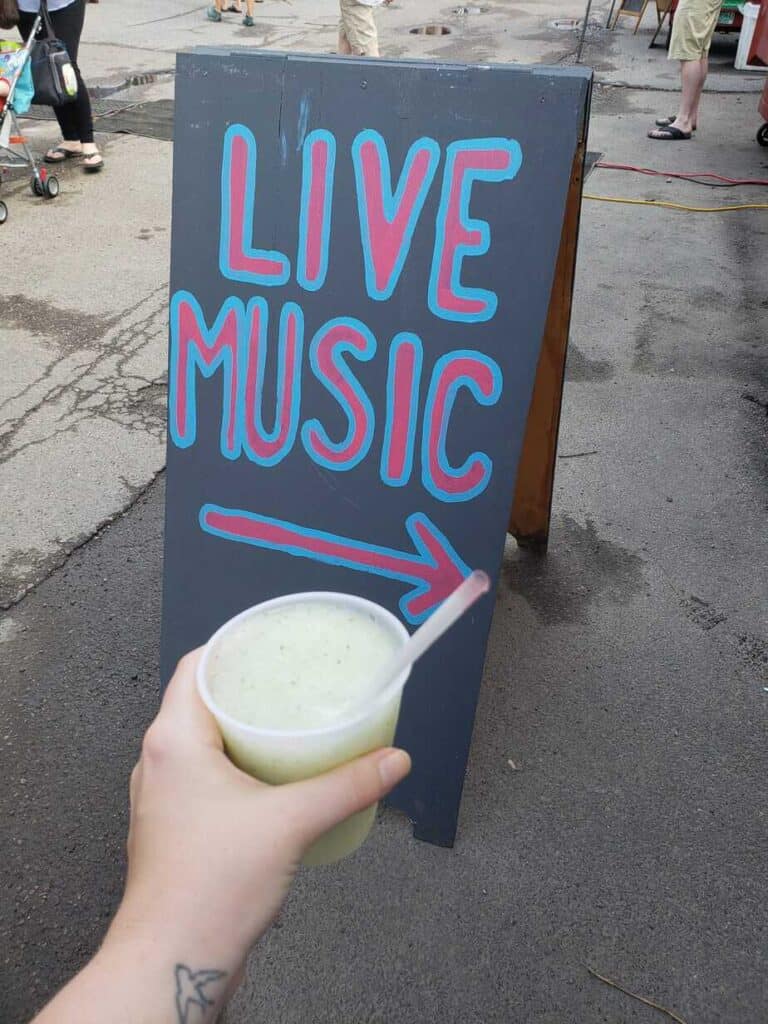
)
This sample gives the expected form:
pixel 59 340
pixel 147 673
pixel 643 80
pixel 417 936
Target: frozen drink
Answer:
pixel 291 684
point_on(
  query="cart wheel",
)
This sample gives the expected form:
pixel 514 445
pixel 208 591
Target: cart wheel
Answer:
pixel 36 185
pixel 3 212
pixel 51 187
pixel 762 135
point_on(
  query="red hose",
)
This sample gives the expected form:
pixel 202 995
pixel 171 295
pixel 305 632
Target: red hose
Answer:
pixel 684 175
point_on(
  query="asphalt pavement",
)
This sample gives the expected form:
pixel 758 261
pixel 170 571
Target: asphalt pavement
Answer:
pixel 614 816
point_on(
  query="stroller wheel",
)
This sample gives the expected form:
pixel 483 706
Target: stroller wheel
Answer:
pixel 3 212
pixel 51 187
pixel 36 185
pixel 762 135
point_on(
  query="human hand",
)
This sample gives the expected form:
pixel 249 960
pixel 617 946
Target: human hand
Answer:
pixel 212 849
pixel 211 856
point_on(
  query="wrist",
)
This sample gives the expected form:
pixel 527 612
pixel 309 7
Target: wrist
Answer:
pixel 174 934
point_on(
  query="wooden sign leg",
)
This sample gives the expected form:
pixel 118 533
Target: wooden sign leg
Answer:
pixel 640 17
pixel 532 506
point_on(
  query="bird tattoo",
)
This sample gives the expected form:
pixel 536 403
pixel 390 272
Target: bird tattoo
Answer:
pixel 190 987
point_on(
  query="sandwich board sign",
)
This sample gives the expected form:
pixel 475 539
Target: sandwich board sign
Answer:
pixel 363 255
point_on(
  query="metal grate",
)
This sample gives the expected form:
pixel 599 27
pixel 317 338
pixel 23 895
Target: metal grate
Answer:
pixel 153 120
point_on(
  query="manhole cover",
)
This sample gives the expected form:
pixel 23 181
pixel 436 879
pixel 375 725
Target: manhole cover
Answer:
pixel 431 30
pixel 565 24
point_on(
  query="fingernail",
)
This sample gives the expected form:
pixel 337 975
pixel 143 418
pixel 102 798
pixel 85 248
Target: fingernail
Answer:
pixel 393 767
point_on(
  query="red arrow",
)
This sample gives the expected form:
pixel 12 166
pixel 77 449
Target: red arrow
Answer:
pixel 436 569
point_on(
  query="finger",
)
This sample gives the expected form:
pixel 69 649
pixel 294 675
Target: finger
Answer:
pixel 316 805
pixel 182 712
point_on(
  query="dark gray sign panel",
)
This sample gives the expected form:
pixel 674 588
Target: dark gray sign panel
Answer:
pixel 362 260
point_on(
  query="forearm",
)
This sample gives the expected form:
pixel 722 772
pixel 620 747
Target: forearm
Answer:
pixel 149 976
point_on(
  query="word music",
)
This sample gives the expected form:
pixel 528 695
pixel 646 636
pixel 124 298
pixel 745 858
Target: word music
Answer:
pixel 235 343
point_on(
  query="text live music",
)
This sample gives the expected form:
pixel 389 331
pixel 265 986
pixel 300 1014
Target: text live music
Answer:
pixel 414 425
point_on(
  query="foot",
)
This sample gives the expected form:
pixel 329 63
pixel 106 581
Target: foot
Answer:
pixel 672 133
pixel 665 122
pixel 92 161
pixel 212 14
pixel 63 151
pixel 248 21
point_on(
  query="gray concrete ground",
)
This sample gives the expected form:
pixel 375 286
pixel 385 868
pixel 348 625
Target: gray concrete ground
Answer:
pixel 627 672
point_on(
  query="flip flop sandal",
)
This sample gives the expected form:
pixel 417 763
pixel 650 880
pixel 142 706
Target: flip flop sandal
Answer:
pixel 668 134
pixel 59 154
pixel 665 122
pixel 233 10
pixel 212 14
pixel 92 168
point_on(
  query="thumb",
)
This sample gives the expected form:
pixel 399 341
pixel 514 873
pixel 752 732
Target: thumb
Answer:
pixel 318 804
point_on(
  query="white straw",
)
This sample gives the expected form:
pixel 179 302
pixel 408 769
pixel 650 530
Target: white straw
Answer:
pixel 449 612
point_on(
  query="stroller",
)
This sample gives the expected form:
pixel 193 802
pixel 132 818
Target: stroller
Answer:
pixel 15 67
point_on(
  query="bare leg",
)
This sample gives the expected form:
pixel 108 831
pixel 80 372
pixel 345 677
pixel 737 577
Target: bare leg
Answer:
pixel 344 48
pixel 693 74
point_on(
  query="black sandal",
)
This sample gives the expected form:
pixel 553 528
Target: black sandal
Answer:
pixel 668 134
pixel 59 154
pixel 92 168
pixel 665 122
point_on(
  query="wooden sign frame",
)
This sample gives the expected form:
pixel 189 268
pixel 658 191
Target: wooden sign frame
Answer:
pixel 638 14
pixel 531 512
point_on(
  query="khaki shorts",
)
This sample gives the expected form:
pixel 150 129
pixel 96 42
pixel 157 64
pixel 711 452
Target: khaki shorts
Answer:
pixel 358 25
pixel 693 28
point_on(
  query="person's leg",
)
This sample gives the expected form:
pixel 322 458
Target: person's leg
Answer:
pixel 358 36
pixel 692 31
pixel 703 71
pixel 76 118
pixel 248 19
pixel 214 13
pixel 343 48
pixel 693 75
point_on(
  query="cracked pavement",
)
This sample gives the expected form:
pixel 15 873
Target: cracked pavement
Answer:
pixel 82 398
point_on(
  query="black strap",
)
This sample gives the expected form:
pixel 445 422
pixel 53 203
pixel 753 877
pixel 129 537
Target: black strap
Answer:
pixel 46 26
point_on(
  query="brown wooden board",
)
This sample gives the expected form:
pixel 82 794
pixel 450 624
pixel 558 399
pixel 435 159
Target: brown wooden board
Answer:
pixel 532 506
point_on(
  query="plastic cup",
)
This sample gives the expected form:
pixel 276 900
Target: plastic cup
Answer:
pixel 278 756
